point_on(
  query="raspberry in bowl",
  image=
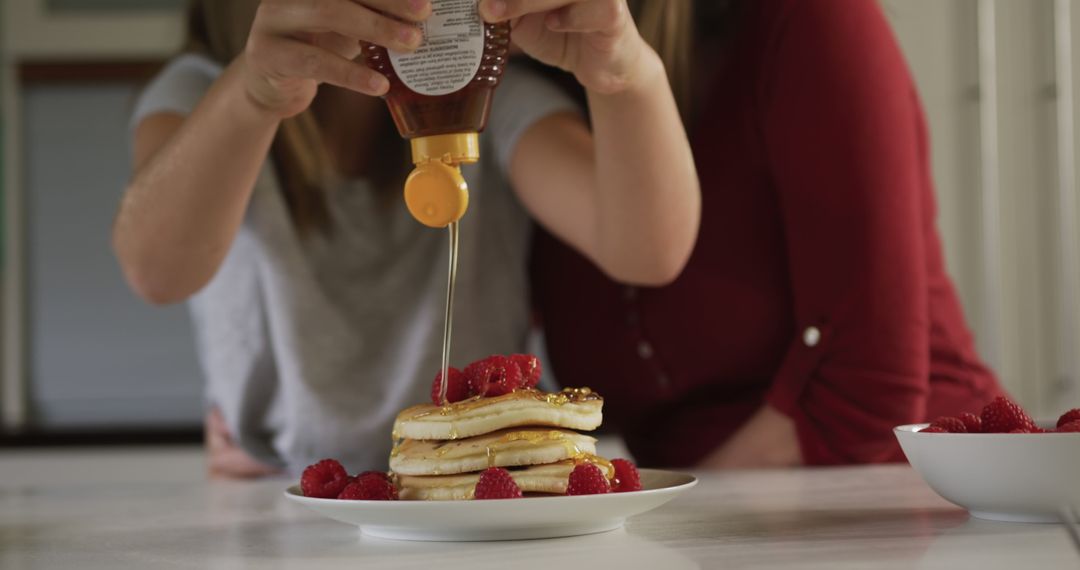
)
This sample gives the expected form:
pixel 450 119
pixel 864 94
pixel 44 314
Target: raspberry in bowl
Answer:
pixel 1011 469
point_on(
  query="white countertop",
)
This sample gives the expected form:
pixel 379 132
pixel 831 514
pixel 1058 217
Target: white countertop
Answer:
pixel 152 508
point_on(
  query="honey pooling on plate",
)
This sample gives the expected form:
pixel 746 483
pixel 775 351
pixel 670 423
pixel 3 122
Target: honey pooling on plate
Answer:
pixel 440 97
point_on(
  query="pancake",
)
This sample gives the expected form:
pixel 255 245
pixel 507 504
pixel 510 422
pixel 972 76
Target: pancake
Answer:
pixel 573 408
pixel 505 448
pixel 547 479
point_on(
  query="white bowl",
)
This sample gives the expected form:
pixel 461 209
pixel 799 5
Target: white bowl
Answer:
pixel 514 519
pixel 998 476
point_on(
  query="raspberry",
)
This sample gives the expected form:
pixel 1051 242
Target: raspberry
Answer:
pixel 530 369
pixel 496 483
pixel 972 422
pixel 1003 416
pixel 951 425
pixel 627 477
pixel 1069 417
pixel 1071 427
pixel 493 376
pixel 587 479
pixel 324 479
pixel 369 486
pixel 1020 430
pixel 933 429
pixel 457 387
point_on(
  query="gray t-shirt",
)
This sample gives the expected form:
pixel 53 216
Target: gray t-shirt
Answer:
pixel 311 347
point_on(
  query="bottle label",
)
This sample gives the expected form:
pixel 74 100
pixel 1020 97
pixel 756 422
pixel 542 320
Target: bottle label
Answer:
pixel 450 55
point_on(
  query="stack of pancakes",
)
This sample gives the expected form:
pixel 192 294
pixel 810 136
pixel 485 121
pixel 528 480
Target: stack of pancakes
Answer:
pixel 440 451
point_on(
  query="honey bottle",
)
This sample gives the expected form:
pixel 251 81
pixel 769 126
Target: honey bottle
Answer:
pixel 440 96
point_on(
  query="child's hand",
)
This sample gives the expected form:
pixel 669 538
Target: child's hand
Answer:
pixel 295 45
pixel 596 40
pixel 224 458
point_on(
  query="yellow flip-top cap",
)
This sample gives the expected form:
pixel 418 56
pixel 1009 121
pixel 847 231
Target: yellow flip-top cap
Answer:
pixel 435 192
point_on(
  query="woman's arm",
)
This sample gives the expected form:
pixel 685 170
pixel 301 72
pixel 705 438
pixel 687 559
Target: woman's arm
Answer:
pixel 193 176
pixel 625 194
pixel 849 159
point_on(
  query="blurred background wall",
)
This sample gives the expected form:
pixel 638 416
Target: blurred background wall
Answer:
pixel 997 81
pixel 80 353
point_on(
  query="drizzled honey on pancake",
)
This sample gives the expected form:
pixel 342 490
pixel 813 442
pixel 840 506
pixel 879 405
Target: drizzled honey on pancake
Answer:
pixel 533 480
pixel 575 454
pixel 507 448
pixel 566 396
pixel 578 409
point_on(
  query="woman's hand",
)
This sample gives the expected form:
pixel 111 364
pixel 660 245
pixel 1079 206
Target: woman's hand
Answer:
pixel 767 440
pixel 295 45
pixel 596 40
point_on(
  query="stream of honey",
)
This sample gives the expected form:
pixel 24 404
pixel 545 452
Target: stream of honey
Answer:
pixel 451 280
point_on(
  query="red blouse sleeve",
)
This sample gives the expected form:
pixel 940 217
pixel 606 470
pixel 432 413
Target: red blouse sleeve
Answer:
pixel 845 142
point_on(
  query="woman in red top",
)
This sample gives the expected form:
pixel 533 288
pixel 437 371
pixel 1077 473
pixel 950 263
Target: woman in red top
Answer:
pixel 815 313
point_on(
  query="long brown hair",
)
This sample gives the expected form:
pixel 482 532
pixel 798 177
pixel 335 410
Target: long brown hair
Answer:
pixel 667 25
pixel 218 29
pixel 674 29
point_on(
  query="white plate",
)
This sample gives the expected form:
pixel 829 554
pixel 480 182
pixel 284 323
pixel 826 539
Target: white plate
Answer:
pixel 1013 477
pixel 511 519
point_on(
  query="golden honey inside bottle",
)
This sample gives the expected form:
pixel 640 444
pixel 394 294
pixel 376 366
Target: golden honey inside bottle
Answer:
pixel 440 96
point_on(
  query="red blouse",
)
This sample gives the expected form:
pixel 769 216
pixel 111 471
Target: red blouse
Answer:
pixel 817 284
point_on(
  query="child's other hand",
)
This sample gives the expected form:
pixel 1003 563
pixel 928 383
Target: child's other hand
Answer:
pixel 596 40
pixel 295 45
pixel 225 459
